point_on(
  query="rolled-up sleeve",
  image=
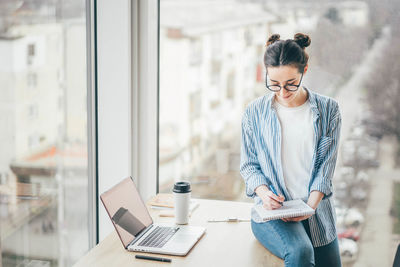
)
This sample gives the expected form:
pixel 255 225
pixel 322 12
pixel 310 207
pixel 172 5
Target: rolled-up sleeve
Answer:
pixel 329 144
pixel 250 168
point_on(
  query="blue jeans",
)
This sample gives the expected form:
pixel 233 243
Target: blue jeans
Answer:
pixel 291 241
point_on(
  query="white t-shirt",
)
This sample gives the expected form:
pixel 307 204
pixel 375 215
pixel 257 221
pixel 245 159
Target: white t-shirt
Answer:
pixel 297 147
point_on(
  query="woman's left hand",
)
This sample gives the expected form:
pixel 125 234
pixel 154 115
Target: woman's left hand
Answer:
pixel 313 201
pixel 296 219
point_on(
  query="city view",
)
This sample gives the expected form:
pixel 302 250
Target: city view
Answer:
pixel 211 67
pixel 43 160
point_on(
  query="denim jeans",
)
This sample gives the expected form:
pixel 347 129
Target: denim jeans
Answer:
pixel 291 241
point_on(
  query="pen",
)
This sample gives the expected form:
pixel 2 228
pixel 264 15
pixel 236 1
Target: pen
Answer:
pixel 152 258
pixel 229 219
pixel 271 187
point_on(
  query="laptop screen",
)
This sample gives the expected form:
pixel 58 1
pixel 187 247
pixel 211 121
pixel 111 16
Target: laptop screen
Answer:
pixel 126 209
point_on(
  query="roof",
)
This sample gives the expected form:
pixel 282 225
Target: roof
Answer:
pixel 198 17
pixel 47 161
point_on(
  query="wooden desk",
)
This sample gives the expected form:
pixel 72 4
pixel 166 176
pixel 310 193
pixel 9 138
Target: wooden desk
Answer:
pixel 223 244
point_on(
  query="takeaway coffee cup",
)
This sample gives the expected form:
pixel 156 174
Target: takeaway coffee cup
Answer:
pixel 182 194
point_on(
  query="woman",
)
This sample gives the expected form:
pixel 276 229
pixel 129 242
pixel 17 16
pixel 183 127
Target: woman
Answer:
pixel 290 141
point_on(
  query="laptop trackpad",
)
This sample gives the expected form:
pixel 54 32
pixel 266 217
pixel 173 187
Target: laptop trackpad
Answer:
pixel 181 240
pixel 181 237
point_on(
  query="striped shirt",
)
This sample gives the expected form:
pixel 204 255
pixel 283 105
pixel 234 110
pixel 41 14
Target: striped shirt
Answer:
pixel 260 161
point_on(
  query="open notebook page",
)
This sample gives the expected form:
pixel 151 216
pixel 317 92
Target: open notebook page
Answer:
pixel 291 208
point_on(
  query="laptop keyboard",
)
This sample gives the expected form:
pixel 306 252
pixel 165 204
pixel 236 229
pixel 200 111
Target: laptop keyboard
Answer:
pixel 159 237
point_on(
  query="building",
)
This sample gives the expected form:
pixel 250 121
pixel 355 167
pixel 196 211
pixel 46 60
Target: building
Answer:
pixel 222 62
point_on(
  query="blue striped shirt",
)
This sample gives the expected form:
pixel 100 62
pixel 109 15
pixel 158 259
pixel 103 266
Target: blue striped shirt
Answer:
pixel 260 161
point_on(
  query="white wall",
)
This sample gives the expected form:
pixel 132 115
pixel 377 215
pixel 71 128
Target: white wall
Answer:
pixel 127 55
pixel 145 88
pixel 114 98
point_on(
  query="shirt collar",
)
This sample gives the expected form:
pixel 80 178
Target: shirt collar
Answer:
pixel 313 101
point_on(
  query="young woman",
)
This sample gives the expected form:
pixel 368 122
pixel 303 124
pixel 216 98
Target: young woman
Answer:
pixel 290 142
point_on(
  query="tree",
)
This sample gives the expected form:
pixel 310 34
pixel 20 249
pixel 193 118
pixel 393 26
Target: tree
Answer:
pixel 383 91
pixel 336 48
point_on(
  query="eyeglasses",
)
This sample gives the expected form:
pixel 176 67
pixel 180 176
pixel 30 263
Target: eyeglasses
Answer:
pixel 288 87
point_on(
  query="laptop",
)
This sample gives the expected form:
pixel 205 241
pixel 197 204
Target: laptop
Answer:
pixel 136 228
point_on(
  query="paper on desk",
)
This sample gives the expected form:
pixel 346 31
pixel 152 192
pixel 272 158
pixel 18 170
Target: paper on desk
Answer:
pixel 193 205
pixel 168 212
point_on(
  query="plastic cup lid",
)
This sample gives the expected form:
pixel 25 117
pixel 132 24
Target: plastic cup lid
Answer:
pixel 182 187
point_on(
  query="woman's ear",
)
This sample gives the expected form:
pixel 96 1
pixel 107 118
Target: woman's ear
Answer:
pixel 305 69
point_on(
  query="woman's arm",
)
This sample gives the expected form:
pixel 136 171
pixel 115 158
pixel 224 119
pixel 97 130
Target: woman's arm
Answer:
pixel 250 168
pixel 314 199
pixel 323 178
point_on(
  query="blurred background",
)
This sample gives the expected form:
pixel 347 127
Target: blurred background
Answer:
pixel 211 67
pixel 43 137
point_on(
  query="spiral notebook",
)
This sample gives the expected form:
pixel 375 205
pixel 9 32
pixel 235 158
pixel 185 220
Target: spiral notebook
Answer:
pixel 289 209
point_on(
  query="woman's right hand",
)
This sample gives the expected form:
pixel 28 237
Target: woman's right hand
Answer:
pixel 269 199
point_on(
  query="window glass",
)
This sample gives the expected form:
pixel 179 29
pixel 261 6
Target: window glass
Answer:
pixel 43 137
pixel 211 67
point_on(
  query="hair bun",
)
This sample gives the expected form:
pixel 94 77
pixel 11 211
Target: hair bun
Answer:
pixel 273 38
pixel 303 40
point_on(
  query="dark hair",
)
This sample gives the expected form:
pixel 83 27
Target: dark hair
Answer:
pixel 287 52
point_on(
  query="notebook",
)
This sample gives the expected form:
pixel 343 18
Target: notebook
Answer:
pixel 289 209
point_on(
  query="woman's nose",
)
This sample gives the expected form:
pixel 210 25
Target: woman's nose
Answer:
pixel 283 92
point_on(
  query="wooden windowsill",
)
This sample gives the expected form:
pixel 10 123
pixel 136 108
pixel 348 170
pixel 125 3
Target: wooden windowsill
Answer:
pixel 223 244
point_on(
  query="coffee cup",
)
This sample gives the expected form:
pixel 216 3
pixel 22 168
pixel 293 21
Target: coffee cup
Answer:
pixel 182 195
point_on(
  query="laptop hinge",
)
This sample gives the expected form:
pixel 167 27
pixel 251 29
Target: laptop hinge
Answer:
pixel 141 233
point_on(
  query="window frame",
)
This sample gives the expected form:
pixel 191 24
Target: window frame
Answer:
pixel 145 94
pixel 126 67
pixel 91 102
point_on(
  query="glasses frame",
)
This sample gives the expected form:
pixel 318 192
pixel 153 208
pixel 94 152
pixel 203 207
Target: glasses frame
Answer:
pixel 280 87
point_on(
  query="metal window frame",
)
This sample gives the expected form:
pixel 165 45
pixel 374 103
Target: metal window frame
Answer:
pixel 145 95
pixel 91 52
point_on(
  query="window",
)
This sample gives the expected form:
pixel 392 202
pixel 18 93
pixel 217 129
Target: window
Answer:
pixel 248 36
pixel 44 190
pixel 195 51
pixel 215 73
pixel 195 105
pixel 353 58
pixel 33 111
pixel 31 50
pixel 230 85
pixel 216 43
pixel 30 53
pixel 32 80
pixel 206 135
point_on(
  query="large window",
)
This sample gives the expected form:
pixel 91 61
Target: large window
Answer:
pixel 44 192
pixel 209 57
pixel 211 66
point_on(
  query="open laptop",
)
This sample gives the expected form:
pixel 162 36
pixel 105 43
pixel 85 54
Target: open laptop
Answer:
pixel 135 226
